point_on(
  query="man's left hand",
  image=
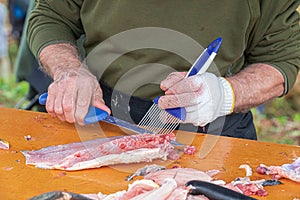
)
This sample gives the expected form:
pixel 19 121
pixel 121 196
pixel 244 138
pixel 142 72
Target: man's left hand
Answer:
pixel 205 96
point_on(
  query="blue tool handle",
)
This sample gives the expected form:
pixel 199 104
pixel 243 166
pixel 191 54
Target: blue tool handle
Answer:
pixel 202 60
pixel 179 113
pixel 93 115
pixel 43 98
pixel 204 57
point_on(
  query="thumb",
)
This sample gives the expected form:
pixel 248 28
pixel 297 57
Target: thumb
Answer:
pixel 99 102
pixel 102 106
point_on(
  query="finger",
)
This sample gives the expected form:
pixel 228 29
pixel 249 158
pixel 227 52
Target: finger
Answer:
pixel 83 100
pixel 181 100
pixel 51 99
pixel 58 109
pixel 99 102
pixel 172 79
pixel 189 84
pixel 69 105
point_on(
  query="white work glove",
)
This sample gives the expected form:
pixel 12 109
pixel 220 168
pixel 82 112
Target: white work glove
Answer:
pixel 205 97
pixel 71 94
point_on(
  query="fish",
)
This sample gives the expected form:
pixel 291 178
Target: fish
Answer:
pixel 181 175
pixel 248 187
pixel 103 152
pixel 289 171
pixel 148 190
pixel 180 183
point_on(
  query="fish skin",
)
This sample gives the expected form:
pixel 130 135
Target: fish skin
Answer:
pixel 271 182
pixel 145 170
pixel 59 195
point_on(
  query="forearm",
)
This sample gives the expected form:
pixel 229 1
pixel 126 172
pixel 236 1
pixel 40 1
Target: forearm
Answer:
pixel 57 57
pixel 255 85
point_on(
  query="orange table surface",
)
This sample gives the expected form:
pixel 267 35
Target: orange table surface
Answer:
pixel 20 181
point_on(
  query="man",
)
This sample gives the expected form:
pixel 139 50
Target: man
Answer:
pixel 258 60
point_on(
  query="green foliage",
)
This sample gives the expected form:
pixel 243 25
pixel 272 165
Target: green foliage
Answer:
pixel 11 92
pixel 279 123
pixel 296 117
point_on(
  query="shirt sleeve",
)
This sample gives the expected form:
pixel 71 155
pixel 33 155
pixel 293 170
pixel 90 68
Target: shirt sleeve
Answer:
pixel 54 21
pixel 275 39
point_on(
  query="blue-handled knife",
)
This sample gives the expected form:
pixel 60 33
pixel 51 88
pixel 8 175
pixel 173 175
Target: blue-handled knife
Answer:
pixel 95 114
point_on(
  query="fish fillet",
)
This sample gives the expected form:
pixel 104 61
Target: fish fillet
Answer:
pixel 102 152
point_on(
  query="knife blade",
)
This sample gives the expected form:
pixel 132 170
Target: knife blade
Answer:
pixel 95 114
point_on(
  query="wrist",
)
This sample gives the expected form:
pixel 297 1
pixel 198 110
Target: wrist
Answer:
pixel 58 58
pixel 228 97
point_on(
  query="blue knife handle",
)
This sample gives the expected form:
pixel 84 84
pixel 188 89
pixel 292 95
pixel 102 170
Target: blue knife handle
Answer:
pixel 213 47
pixel 43 98
pixel 93 115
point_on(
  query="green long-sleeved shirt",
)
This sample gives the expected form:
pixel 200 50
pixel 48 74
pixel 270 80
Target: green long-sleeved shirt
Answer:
pixel 132 44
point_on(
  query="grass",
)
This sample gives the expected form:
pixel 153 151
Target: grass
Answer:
pixel 11 92
pixel 284 129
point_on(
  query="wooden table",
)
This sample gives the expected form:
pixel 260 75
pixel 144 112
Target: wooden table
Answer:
pixel 20 181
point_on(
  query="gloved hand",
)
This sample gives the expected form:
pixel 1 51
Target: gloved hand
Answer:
pixel 71 94
pixel 205 97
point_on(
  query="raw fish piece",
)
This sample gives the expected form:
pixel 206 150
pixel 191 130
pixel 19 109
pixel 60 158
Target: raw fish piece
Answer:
pixel 4 144
pixel 181 175
pixel 102 152
pixel 289 171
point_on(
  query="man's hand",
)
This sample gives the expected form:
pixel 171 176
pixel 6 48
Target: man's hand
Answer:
pixel 205 97
pixel 74 88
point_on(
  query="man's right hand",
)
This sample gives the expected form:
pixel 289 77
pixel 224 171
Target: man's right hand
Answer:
pixel 74 88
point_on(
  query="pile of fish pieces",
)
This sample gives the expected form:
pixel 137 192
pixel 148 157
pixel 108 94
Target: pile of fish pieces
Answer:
pixel 289 171
pixel 183 184
pixel 176 184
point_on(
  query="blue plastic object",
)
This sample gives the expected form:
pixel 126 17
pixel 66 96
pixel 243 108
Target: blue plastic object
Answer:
pixel 213 47
pixel 179 113
pixel 43 98
pixel 94 114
